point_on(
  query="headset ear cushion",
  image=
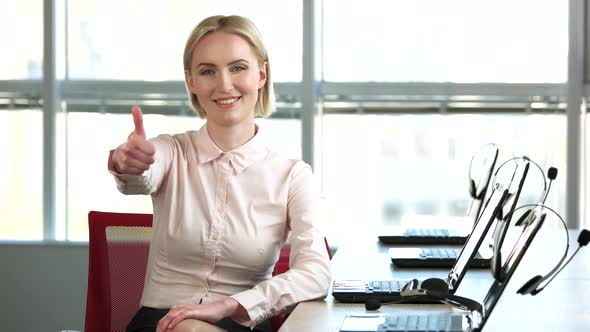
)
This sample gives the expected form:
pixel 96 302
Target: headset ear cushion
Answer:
pixel 472 189
pixel 528 286
pixel 435 285
pixel 372 304
pixel 468 303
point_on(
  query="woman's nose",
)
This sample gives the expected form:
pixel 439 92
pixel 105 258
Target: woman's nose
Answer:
pixel 225 82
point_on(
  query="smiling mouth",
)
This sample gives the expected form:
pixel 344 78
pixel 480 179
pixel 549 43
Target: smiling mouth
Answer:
pixel 227 101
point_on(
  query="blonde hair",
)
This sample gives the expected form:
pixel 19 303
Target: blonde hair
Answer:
pixel 244 28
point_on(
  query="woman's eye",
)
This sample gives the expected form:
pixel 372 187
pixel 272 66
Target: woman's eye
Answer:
pixel 237 68
pixel 207 72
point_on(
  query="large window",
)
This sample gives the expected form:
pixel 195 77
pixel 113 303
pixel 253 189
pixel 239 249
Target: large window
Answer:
pixel 144 40
pixel 411 96
pixel 384 169
pixel 464 41
pixel 408 92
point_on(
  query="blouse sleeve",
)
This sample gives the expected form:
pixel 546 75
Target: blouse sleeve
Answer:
pixel 148 182
pixel 308 277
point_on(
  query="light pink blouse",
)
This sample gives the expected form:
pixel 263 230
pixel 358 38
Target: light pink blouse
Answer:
pixel 220 219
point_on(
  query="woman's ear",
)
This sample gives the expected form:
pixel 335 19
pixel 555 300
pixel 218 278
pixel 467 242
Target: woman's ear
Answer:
pixel 262 73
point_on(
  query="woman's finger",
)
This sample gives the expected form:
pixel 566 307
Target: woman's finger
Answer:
pixel 137 164
pixel 164 323
pixel 175 321
pixel 141 147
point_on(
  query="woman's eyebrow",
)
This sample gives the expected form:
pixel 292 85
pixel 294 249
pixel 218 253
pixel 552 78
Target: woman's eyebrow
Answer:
pixel 207 64
pixel 213 65
pixel 236 61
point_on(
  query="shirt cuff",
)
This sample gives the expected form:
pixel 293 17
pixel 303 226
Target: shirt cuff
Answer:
pixel 256 305
pixel 111 163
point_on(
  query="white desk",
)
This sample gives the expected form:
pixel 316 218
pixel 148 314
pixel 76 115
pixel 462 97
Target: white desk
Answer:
pixel 563 306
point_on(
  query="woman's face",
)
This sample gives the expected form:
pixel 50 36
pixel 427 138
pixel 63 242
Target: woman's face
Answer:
pixel 225 76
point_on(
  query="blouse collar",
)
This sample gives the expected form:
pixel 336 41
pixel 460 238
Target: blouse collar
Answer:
pixel 240 158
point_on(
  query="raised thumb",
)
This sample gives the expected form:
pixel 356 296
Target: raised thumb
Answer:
pixel 138 121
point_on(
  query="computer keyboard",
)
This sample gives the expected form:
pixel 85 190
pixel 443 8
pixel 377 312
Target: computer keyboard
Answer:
pixel 385 286
pixel 440 253
pixel 417 232
pixel 403 323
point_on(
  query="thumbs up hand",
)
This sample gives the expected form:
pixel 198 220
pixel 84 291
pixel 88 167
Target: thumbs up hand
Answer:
pixel 137 154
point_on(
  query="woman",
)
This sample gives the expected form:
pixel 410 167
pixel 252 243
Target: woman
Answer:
pixel 224 202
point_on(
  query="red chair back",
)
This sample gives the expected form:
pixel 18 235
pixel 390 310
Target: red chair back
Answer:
pixel 117 257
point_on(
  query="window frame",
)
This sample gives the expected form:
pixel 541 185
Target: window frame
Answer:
pixel 314 96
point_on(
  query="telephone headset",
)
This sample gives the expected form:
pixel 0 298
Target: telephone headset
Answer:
pixel 435 288
pixel 533 285
pixel 438 289
pixel 503 221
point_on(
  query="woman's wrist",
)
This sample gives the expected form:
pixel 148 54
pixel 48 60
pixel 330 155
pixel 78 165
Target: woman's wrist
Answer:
pixel 234 309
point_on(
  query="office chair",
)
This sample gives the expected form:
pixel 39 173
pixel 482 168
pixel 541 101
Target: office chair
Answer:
pixel 118 250
pixel 117 257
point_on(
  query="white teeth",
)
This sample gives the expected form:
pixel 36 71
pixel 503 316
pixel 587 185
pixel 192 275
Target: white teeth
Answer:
pixel 227 101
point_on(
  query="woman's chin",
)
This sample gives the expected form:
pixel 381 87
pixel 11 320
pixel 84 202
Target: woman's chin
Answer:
pixel 229 119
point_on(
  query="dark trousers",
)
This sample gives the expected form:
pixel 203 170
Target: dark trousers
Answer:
pixel 146 320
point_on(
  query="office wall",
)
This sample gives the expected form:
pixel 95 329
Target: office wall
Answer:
pixel 43 287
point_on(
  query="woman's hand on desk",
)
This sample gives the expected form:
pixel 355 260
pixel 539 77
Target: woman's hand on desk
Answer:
pixel 137 154
pixel 210 312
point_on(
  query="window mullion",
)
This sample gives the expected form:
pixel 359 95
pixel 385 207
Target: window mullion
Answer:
pixel 50 92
